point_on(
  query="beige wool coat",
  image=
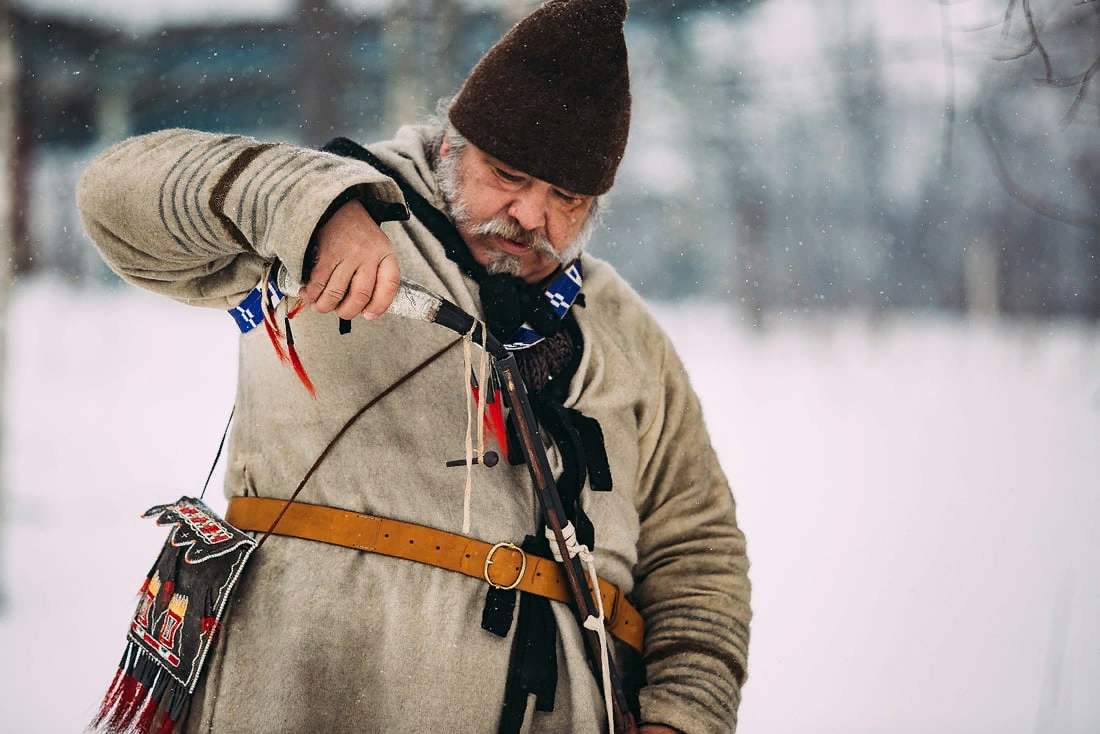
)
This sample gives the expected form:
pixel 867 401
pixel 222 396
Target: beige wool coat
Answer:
pixel 324 638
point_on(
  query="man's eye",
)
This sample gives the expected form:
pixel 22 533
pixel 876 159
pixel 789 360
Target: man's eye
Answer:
pixel 509 177
pixel 568 198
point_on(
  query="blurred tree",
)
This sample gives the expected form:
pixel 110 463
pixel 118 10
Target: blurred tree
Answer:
pixel 1066 40
pixel 1038 119
pixel 425 37
pixel 790 157
pixel 321 71
pixel 9 78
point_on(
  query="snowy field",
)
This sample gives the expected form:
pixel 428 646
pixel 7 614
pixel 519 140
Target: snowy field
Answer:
pixel 920 498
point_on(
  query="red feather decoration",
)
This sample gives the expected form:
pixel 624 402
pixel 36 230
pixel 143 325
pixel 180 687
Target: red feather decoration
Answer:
pixel 273 335
pixel 298 368
pixel 494 417
pixel 494 420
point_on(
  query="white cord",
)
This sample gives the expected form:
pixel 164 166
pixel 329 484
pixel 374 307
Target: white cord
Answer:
pixel 570 534
pixel 594 623
pixel 482 398
pixel 467 369
pixel 475 417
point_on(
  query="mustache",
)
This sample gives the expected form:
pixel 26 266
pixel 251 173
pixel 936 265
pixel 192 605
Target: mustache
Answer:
pixel 510 229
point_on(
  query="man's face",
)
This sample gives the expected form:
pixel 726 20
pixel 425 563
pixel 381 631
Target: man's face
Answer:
pixel 512 222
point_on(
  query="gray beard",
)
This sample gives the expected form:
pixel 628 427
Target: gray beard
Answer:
pixel 499 262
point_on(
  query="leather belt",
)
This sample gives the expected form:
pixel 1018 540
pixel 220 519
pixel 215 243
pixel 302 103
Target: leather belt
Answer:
pixel 502 565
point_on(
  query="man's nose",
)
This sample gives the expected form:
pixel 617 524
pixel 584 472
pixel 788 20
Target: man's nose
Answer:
pixel 529 209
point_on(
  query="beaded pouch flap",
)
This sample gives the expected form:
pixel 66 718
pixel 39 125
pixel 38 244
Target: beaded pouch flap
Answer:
pixel 176 620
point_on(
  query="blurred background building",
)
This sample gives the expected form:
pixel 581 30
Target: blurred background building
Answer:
pixel 786 156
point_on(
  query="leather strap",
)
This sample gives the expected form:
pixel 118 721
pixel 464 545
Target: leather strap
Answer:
pixel 502 565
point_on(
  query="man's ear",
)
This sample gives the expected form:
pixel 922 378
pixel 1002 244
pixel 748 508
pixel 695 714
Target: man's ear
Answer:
pixel 445 146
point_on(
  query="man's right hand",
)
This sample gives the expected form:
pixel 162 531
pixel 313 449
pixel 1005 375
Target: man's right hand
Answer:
pixel 356 271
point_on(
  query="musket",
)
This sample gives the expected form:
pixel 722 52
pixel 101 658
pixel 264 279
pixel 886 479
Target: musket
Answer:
pixel 415 301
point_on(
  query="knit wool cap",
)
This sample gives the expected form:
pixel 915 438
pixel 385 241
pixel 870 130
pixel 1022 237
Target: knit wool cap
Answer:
pixel 552 98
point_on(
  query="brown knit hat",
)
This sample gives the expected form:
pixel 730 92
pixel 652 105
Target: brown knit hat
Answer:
pixel 552 98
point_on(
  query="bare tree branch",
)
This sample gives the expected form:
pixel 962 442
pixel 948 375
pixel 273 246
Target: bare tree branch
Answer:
pixel 1018 55
pixel 1081 91
pixel 1035 43
pixel 1008 17
pixel 977 27
pixel 1047 209
pixel 1033 31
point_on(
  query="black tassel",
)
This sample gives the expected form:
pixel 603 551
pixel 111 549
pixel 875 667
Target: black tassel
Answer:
pixel 500 608
pixel 595 451
pixel 533 665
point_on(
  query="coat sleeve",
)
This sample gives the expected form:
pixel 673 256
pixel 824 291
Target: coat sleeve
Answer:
pixel 691 581
pixel 197 216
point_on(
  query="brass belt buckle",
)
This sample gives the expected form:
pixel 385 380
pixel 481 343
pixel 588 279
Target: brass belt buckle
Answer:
pixel 489 562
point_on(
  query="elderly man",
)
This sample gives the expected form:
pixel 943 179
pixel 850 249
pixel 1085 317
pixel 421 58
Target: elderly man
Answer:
pixel 490 207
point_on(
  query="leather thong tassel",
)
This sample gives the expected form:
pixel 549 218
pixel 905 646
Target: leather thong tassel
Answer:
pixel 533 664
pixel 296 362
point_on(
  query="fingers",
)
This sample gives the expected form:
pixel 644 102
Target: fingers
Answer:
pixel 356 271
pixel 334 290
pixel 318 279
pixel 367 290
pixel 359 292
pixel 387 279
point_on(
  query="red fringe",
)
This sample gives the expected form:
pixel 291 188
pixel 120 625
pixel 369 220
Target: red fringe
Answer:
pixel 148 715
pixel 209 626
pixel 495 418
pixel 301 371
pixel 166 725
pixel 127 699
pixel 273 320
pixel 289 354
pixel 167 589
pixel 133 709
pixel 110 698
pixel 273 335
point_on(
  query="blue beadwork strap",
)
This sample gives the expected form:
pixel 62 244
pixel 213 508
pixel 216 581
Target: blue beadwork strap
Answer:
pixel 561 294
pixel 250 313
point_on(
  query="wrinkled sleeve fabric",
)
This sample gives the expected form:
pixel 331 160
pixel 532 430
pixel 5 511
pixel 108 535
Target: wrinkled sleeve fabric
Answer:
pixel 692 583
pixel 197 216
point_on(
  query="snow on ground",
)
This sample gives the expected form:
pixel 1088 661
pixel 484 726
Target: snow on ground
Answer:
pixel 918 497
